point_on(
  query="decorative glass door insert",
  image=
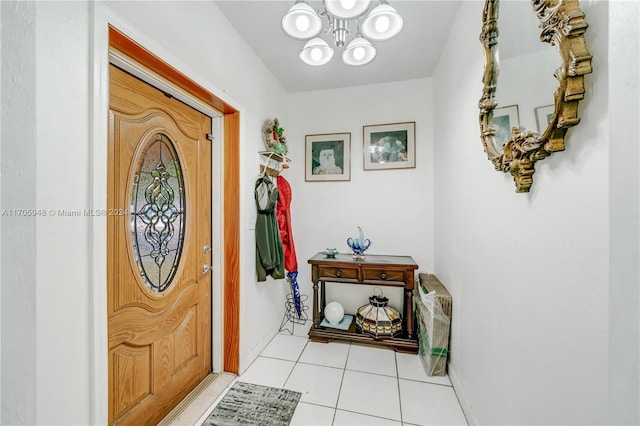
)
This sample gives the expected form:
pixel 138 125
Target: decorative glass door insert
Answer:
pixel 158 212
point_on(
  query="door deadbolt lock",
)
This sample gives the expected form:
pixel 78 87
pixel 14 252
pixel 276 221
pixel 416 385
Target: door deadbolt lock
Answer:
pixel 206 249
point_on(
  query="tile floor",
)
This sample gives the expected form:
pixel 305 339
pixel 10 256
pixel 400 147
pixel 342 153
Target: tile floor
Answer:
pixel 350 384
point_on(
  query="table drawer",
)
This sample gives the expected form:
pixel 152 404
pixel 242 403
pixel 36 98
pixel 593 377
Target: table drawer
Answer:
pixel 382 275
pixel 340 272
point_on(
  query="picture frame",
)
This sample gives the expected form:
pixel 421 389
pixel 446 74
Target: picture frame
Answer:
pixel 389 146
pixel 504 119
pixel 543 117
pixel 328 157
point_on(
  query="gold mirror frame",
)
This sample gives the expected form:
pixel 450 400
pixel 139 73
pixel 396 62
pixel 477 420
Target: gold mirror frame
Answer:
pixel 563 26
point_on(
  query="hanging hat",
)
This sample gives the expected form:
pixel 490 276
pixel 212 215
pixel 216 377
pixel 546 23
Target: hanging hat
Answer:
pixel 266 194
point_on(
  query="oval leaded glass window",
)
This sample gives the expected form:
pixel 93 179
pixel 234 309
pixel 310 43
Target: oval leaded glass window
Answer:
pixel 158 212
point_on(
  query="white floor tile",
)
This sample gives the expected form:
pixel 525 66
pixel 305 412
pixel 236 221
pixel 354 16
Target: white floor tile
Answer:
pixel 430 404
pixel 347 418
pixel 268 372
pixel 370 394
pixel 319 385
pixel 351 384
pixel 410 367
pixel 373 360
pixel 312 415
pixel 284 346
pixel 332 354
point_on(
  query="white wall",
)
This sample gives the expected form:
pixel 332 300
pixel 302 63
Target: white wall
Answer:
pixel 383 202
pixel 624 211
pixel 1 56
pixel 62 182
pixel 18 146
pixel 47 151
pixel 530 273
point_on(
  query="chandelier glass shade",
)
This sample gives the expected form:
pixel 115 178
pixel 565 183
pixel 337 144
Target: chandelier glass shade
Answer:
pixel 358 52
pixel 316 52
pixel 301 22
pixel 346 9
pixel 382 23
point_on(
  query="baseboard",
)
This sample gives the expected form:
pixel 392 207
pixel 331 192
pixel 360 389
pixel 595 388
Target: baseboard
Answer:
pixel 459 390
pixel 255 353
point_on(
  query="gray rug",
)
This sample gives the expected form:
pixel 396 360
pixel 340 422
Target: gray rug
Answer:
pixel 249 404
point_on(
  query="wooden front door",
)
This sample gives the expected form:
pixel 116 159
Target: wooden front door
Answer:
pixel 159 234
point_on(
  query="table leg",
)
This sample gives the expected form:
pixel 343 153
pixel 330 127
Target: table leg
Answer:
pixel 408 311
pixel 316 316
pixel 323 300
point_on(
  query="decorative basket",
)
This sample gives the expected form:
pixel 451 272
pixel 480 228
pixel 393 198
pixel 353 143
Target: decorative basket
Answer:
pixel 378 318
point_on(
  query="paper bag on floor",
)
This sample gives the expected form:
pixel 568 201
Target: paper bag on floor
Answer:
pixel 433 333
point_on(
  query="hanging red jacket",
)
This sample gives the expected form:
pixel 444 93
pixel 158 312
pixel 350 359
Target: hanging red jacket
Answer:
pixel 284 224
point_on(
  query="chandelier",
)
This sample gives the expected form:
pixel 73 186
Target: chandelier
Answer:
pixel 301 22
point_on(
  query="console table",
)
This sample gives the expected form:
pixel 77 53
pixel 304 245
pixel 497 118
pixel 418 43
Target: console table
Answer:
pixel 373 270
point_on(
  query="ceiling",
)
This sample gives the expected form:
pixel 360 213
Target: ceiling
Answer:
pixel 412 54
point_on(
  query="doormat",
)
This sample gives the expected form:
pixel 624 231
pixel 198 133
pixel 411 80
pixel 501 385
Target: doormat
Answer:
pixel 250 404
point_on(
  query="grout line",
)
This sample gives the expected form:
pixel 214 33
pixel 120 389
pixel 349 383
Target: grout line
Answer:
pixel 395 360
pixel 320 365
pixel 423 381
pixel 302 351
pixel 344 371
pixel 370 415
pixel 460 404
pixel 275 357
pixel 295 363
pixel 372 373
pixel 369 372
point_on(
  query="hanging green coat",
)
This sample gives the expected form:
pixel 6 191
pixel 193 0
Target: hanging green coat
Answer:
pixel 269 251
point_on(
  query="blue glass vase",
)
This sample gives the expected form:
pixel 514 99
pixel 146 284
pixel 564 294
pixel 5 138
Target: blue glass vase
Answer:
pixel 359 245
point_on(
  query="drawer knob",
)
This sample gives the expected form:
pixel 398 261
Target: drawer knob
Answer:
pixel 338 273
pixel 383 276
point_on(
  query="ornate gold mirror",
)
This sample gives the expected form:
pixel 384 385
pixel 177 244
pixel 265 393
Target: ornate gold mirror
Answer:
pixel 563 26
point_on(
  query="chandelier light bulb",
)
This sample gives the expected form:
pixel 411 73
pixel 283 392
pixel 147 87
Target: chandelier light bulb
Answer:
pixel 348 4
pixel 316 54
pixel 382 24
pixel 358 53
pixel 302 23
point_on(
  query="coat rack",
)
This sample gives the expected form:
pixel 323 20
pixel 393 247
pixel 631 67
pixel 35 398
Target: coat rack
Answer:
pixel 276 143
pixel 274 163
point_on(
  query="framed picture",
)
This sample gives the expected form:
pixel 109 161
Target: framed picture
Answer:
pixel 328 157
pixel 389 146
pixel 503 120
pixel 543 117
